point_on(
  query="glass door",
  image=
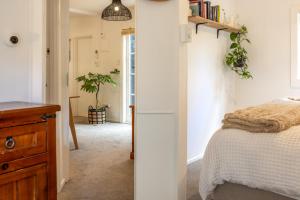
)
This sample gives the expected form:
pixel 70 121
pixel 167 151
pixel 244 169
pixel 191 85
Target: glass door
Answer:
pixel 129 79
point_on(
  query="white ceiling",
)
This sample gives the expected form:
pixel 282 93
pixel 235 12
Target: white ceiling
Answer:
pixel 94 6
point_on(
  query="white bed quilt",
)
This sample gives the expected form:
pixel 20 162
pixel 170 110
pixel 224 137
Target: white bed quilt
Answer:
pixel 265 161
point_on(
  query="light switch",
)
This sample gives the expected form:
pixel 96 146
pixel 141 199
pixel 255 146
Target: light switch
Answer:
pixel 185 33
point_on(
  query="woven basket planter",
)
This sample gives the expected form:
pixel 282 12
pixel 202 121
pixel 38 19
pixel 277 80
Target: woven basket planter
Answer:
pixel 97 116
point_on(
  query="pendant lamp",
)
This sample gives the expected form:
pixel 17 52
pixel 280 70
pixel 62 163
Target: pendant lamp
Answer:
pixel 116 12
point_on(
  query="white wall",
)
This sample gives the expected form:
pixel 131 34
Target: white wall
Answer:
pixel 211 85
pixel 22 67
pixel 107 39
pixel 161 79
pixel 57 38
pixel 269 53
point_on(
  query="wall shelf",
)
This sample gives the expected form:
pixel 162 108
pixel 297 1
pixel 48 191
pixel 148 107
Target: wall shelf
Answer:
pixel 212 24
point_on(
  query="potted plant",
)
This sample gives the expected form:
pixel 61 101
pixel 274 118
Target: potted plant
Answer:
pixel 237 58
pixel 91 84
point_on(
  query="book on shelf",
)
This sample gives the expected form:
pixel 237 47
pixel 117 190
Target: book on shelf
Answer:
pixel 215 11
pixel 205 9
pixel 208 9
pixel 201 3
pixel 194 8
pixel 219 14
pixel 199 8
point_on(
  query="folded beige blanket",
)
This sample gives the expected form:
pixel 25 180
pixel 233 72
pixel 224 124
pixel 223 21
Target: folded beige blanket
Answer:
pixel 266 118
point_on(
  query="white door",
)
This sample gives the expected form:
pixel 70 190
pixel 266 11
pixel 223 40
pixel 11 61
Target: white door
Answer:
pixel 81 64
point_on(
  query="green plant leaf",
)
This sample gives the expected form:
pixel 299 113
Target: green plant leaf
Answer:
pixel 244 29
pixel 233 36
pixel 229 62
pixel 91 83
pixel 233 46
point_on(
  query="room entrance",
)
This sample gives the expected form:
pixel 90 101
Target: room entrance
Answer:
pixel 101 74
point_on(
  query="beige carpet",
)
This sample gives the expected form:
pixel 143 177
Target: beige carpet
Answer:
pixel 193 181
pixel 101 168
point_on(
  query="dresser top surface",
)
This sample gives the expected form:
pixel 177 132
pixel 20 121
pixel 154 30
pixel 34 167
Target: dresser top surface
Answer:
pixel 10 108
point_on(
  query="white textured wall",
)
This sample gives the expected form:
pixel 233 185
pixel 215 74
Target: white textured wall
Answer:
pixel 21 67
pixel 110 47
pixel 269 53
pixel 211 85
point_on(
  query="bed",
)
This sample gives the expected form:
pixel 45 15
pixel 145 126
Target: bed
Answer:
pixel 239 165
pixel 230 191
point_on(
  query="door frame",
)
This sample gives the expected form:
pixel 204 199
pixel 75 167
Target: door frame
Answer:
pixel 57 83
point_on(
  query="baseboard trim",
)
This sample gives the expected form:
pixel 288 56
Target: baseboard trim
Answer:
pixel 195 159
pixel 62 184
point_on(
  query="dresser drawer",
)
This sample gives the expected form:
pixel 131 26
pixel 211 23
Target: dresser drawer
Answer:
pixel 22 141
pixel 25 184
pixel 6 167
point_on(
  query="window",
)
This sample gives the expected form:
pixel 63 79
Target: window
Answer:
pixel 295 48
pixel 132 69
pixel 128 75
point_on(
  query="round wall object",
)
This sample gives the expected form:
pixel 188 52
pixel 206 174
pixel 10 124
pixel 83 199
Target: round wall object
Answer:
pixel 14 39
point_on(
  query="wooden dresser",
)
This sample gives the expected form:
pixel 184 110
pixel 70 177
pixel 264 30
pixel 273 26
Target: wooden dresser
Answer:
pixel 27 151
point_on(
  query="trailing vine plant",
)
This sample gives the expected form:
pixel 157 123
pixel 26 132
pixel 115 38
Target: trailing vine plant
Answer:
pixel 237 57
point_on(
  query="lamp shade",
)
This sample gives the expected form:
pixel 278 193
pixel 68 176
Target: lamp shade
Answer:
pixel 116 12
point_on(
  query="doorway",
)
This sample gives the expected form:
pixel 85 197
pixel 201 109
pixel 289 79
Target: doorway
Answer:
pixel 102 163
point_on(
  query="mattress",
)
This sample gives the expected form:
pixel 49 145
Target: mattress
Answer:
pixel 270 162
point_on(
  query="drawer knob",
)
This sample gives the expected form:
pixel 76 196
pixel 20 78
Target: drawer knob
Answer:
pixel 10 143
pixel 48 116
pixel 4 166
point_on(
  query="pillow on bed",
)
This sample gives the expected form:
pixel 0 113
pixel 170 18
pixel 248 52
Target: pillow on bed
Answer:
pixel 288 100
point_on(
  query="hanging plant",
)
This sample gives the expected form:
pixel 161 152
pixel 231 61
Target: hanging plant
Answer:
pixel 237 58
